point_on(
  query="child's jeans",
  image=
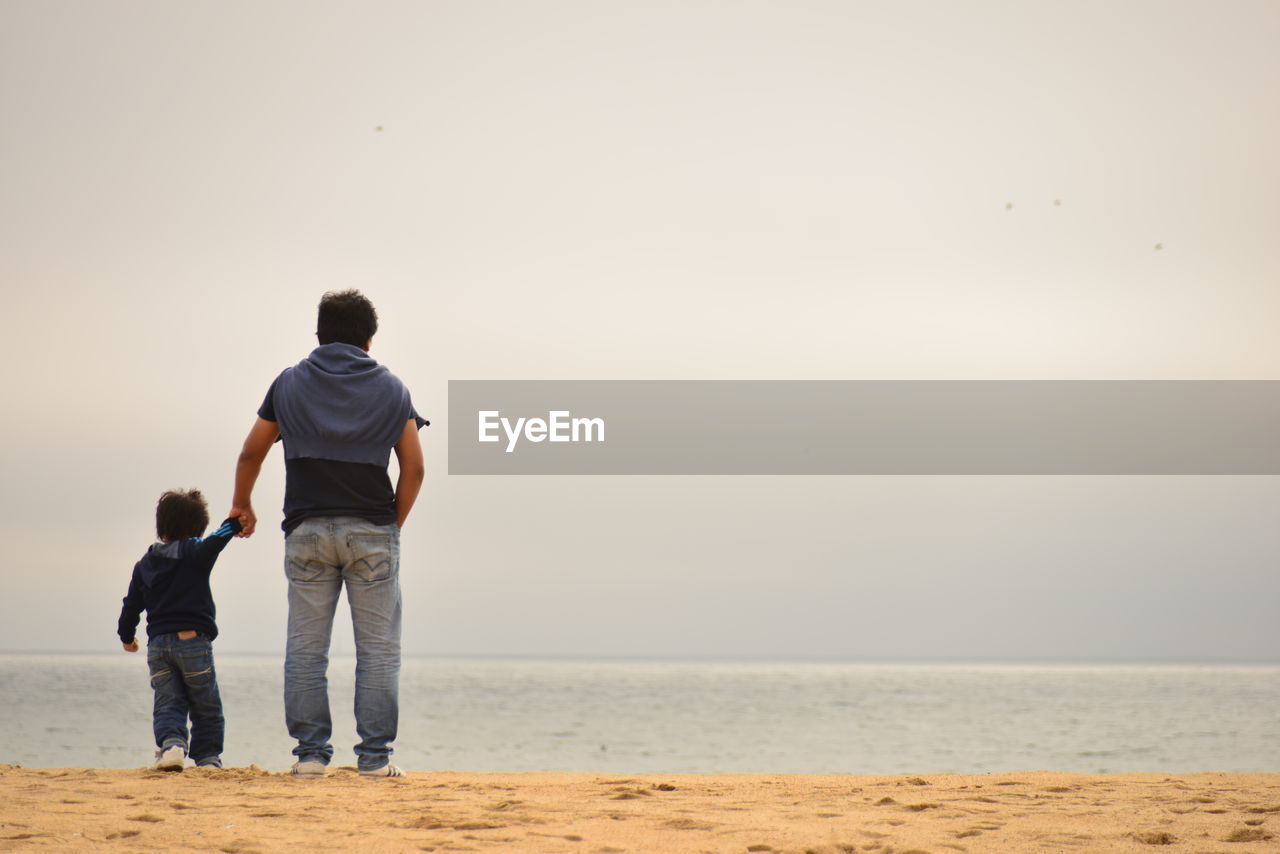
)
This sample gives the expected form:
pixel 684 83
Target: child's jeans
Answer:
pixel 185 684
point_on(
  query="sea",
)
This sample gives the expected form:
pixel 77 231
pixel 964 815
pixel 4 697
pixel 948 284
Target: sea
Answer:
pixel 630 716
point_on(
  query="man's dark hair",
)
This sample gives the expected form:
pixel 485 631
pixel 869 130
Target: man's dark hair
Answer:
pixel 181 513
pixel 346 317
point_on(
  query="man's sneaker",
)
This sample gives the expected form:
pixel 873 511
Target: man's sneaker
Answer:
pixel 209 762
pixel 172 758
pixel 385 771
pixel 311 768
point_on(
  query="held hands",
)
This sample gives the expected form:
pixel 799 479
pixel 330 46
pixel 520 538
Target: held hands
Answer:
pixel 248 521
pixel 131 646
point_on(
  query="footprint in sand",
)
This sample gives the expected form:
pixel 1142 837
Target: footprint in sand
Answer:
pixel 503 805
pixel 1155 837
pixel 627 794
pixel 571 837
pixel 239 846
pixel 477 825
pixel 977 829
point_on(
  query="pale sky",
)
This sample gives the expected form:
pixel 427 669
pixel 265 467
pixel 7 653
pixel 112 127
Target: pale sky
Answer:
pixel 588 190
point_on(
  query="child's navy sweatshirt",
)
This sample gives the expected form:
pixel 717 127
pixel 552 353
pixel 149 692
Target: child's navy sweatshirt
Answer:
pixel 171 583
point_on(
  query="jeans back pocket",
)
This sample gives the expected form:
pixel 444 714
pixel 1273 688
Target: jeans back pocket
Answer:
pixel 302 557
pixel 373 557
pixel 161 671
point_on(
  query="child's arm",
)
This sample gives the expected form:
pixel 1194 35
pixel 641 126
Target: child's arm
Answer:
pixel 211 546
pixel 129 613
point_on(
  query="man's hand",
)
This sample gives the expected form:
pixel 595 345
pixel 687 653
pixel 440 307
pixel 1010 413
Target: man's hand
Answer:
pixel 412 470
pixel 245 515
pixel 262 435
pixel 131 646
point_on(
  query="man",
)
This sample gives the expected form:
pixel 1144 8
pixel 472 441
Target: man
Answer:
pixel 339 414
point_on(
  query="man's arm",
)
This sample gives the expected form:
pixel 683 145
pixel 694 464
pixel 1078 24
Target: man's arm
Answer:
pixel 412 470
pixel 261 437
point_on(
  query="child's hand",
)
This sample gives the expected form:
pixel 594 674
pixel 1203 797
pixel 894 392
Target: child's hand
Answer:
pixel 131 646
pixel 244 514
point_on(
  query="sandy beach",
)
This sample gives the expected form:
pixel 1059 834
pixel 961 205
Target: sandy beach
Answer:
pixel 243 810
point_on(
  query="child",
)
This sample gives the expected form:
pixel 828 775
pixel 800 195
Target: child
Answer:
pixel 171 583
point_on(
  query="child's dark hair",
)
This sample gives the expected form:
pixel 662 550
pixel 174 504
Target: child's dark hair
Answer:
pixel 346 317
pixel 181 514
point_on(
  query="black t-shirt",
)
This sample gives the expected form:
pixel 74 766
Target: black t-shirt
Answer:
pixel 316 487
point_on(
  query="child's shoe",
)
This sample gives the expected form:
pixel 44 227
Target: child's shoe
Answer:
pixel 172 758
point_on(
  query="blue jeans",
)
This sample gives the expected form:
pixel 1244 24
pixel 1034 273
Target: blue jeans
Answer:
pixel 321 555
pixel 185 685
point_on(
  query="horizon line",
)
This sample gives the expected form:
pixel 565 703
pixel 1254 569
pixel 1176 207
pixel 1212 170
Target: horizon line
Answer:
pixel 728 659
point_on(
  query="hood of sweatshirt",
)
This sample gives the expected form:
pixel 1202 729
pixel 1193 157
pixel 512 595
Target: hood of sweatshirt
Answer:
pixel 340 404
pixel 340 360
pixel 158 564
